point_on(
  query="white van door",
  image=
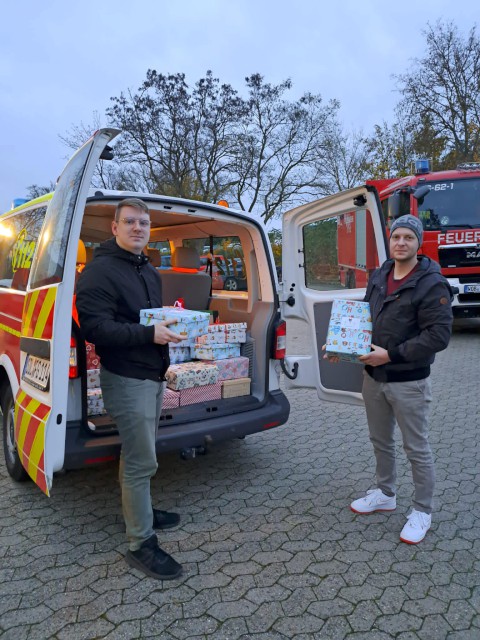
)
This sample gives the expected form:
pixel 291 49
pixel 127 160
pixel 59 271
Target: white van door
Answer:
pixel 330 247
pixel 41 401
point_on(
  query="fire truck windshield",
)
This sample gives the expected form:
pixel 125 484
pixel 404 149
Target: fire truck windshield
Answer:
pixel 451 204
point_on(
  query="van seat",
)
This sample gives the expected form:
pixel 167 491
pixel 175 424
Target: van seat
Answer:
pixel 154 256
pixel 185 280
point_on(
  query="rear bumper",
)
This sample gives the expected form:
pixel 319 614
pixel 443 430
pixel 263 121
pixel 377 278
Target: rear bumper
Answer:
pixel 84 450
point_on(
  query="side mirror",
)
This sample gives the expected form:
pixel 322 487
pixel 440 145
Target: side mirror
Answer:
pixel 394 206
pixel 421 192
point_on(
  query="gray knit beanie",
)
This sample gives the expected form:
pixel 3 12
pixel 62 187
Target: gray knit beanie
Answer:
pixel 409 222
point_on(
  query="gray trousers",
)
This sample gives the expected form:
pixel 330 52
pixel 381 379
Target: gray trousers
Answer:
pixel 135 405
pixel 406 403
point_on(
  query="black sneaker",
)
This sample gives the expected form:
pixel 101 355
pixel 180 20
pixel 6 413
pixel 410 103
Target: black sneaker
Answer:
pixel 153 561
pixel 164 519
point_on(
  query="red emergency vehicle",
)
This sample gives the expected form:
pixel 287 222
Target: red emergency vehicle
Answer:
pixel 448 204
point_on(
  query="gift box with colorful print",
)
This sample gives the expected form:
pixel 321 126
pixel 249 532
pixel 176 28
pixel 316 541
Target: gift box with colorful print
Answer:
pixel 200 394
pixel 93 378
pixel 350 330
pixel 234 332
pixel 230 368
pixel 178 353
pixel 212 338
pixel 189 324
pixel 93 361
pixel 190 374
pixel 215 351
pixel 171 399
pixel 95 402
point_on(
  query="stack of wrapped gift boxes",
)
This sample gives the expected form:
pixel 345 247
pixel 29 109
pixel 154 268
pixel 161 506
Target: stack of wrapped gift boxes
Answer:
pixel 349 333
pixel 94 393
pixel 207 365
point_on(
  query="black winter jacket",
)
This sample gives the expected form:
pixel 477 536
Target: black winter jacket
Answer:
pixel 412 324
pixel 110 293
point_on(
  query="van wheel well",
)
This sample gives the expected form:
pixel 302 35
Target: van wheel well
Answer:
pixel 12 460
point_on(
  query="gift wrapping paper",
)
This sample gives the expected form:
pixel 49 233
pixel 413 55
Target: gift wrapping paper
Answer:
pixel 215 351
pixel 190 374
pixel 349 330
pixel 200 394
pixel 230 368
pixel 234 332
pixel 93 361
pixel 93 378
pixel 95 402
pixel 179 354
pixel 171 399
pixel 188 324
pixel 219 337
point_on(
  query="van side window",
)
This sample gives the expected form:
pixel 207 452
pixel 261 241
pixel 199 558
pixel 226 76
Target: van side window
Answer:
pixel 19 235
pixel 340 252
pixel 228 266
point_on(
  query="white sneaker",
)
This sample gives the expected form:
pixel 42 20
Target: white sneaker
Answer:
pixel 375 500
pixel 414 531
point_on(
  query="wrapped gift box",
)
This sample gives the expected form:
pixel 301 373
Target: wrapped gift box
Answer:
pixel 95 402
pixel 234 332
pixel 200 394
pixel 230 368
pixel 212 338
pixel 178 353
pixel 93 361
pixel 189 324
pixel 93 378
pixel 171 399
pixel 190 374
pixel 215 351
pixel 350 330
pixel 235 388
pixel 237 336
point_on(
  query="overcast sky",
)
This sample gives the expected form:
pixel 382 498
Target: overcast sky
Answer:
pixel 60 62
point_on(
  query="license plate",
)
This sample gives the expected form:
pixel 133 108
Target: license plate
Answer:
pixel 472 288
pixel 37 372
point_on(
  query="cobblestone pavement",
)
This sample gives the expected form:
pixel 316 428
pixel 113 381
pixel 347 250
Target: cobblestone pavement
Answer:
pixel 270 548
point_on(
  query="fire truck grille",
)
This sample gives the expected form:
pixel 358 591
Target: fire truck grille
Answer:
pixel 459 257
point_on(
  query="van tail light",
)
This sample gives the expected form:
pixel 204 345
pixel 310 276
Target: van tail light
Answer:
pixel 280 340
pixel 73 364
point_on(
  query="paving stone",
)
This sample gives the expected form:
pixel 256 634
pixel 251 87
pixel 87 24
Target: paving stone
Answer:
pixel 241 608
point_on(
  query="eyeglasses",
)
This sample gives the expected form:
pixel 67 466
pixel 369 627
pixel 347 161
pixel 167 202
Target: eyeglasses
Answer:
pixel 130 222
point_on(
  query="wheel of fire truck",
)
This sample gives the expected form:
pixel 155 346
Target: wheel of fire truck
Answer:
pixel 12 460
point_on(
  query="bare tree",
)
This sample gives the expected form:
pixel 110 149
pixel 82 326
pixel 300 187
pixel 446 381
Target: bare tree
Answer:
pixel 35 190
pixel 342 161
pixel 443 90
pixel 277 146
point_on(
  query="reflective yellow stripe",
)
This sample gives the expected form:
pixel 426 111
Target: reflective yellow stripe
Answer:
pixel 45 312
pixel 14 332
pixel 28 412
pixel 37 448
pixel 27 317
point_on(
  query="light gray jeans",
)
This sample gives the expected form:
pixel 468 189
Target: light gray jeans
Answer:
pixel 135 405
pixel 407 404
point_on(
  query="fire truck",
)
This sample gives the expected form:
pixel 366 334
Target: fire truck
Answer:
pixel 448 204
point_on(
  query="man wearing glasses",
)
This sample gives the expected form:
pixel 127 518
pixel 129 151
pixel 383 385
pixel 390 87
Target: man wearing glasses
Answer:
pixel 134 358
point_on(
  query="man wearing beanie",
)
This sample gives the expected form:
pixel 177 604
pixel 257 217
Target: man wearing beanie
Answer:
pixel 410 302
